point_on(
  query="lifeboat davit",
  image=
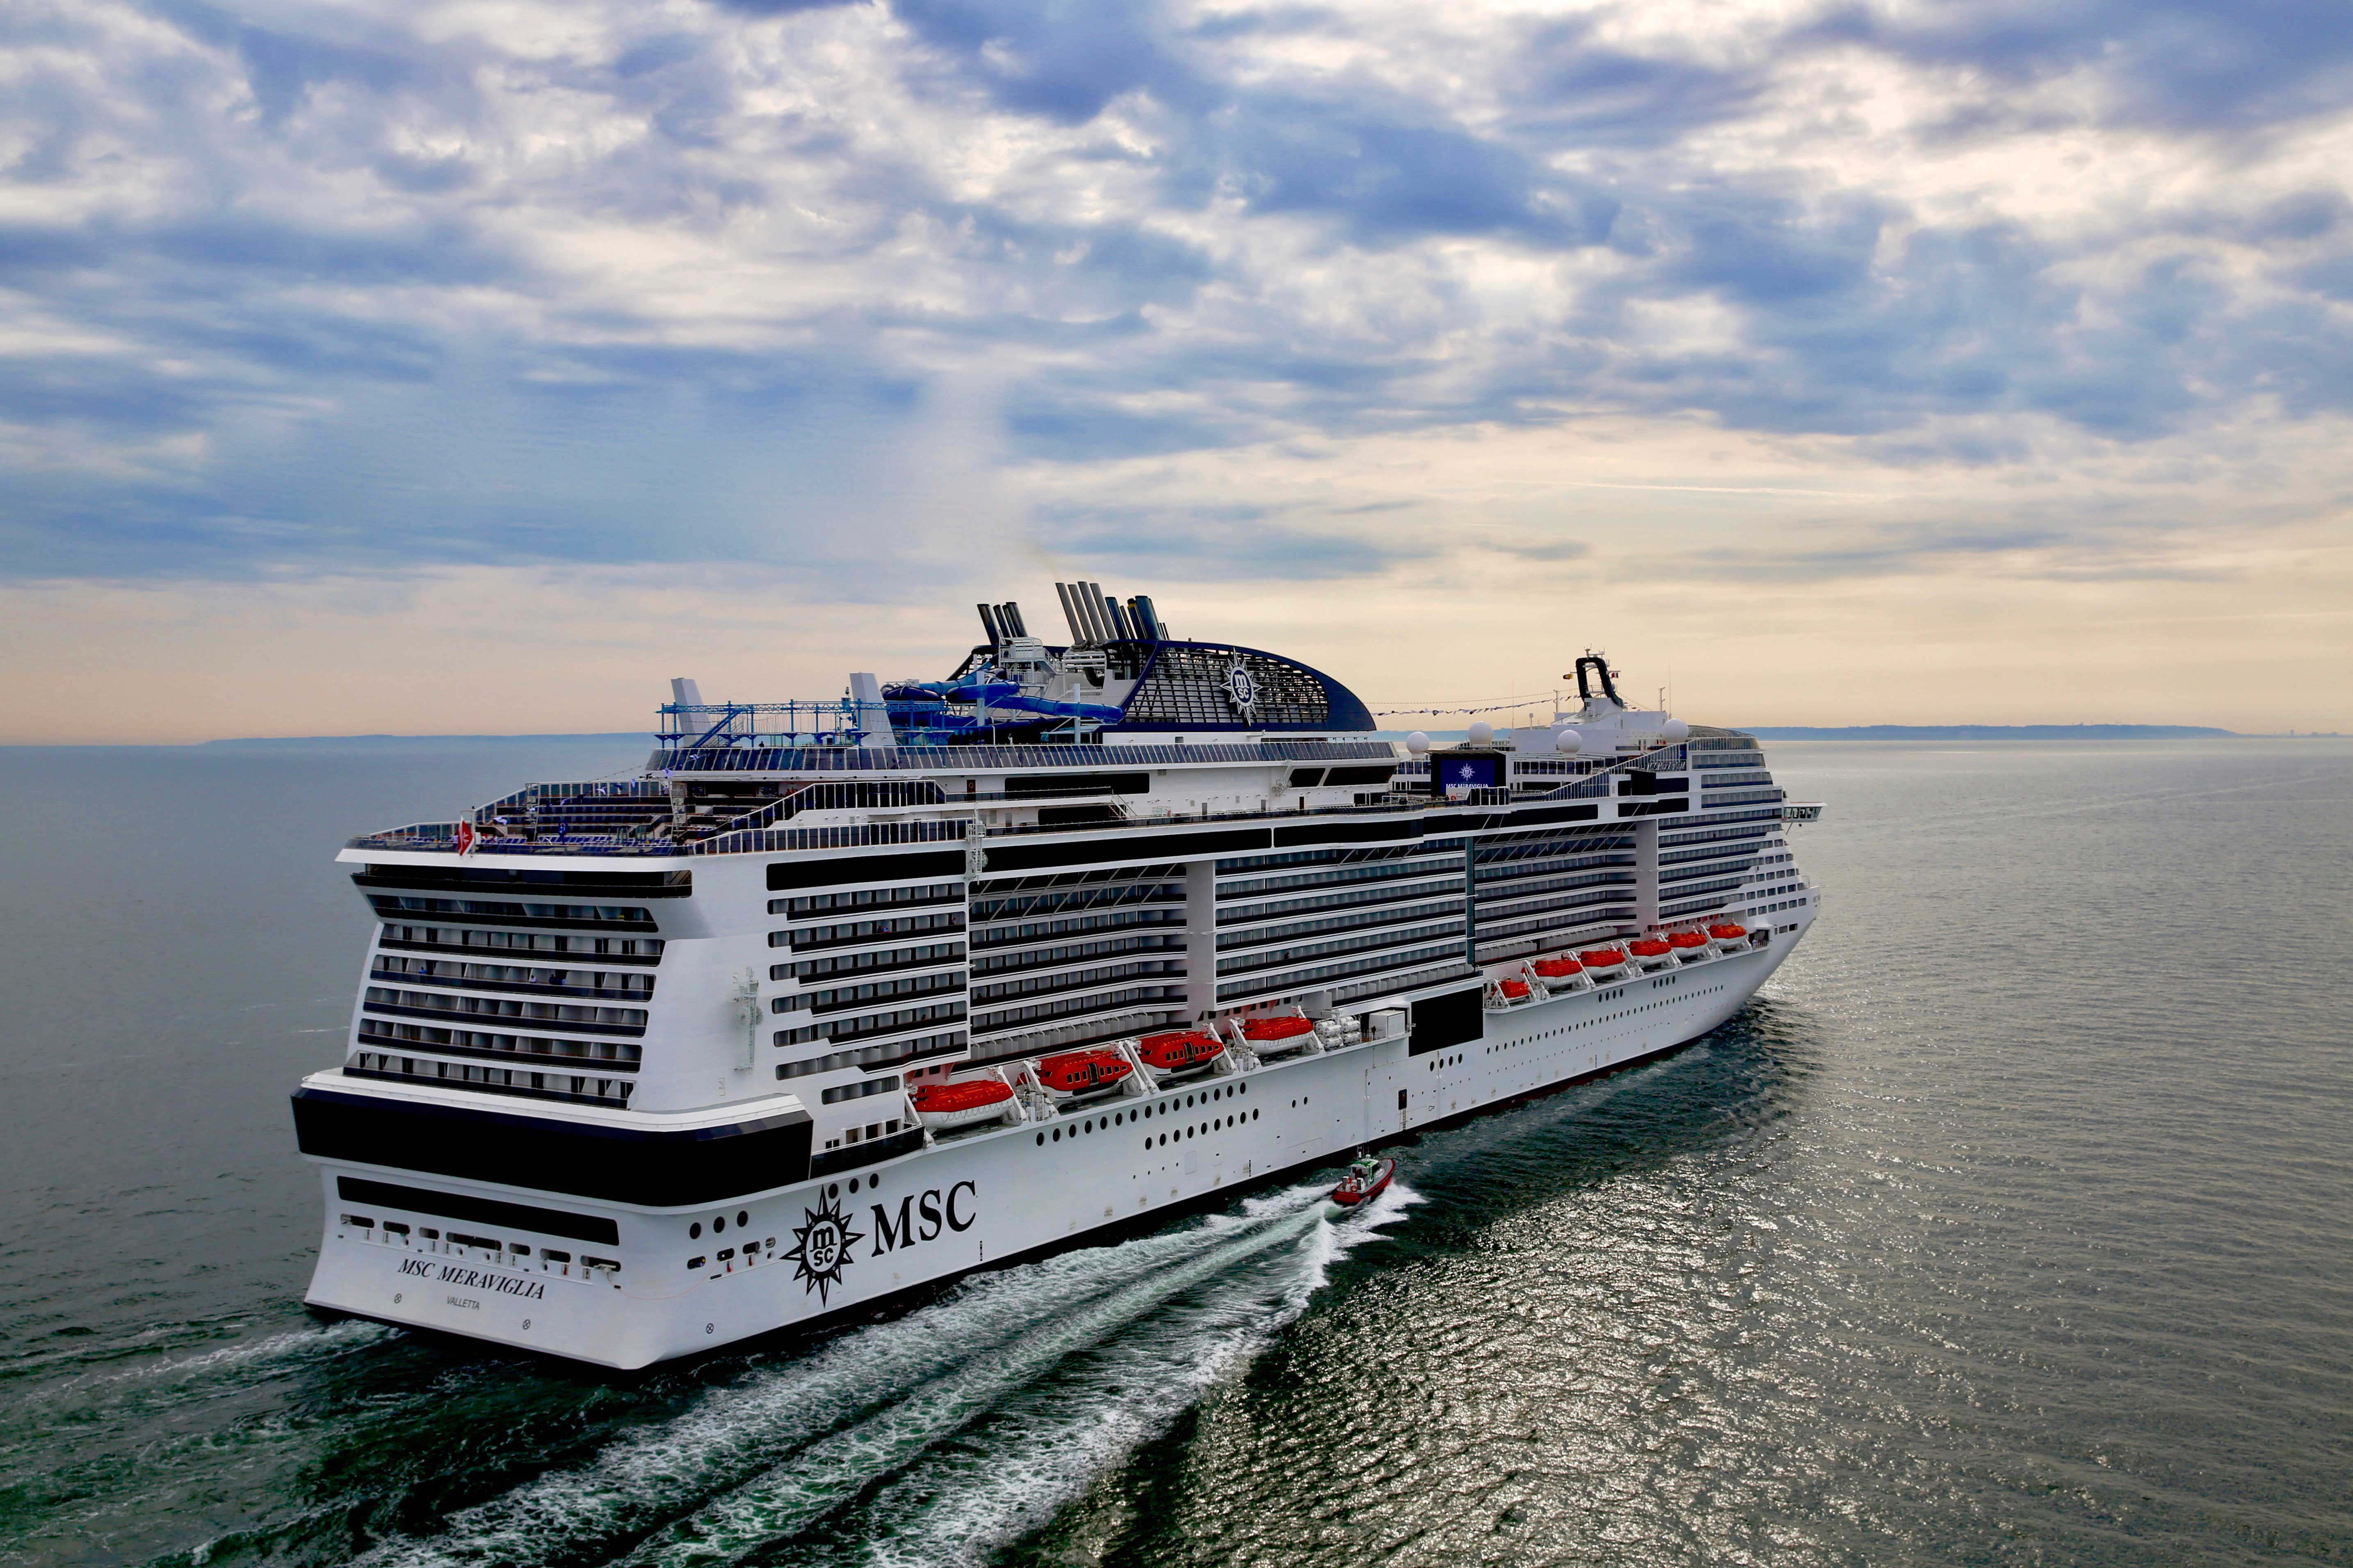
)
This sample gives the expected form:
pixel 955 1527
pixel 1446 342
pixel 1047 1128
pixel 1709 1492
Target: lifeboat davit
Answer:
pixel 1076 1073
pixel 945 1107
pixel 1684 940
pixel 1602 958
pixel 1560 968
pixel 1728 933
pixel 1180 1050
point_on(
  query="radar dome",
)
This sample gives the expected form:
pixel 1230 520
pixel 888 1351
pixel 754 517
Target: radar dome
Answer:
pixel 1674 729
pixel 1481 732
pixel 1418 744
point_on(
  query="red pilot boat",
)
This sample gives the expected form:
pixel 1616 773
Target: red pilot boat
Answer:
pixel 1365 1180
pixel 1076 1074
pixel 1180 1050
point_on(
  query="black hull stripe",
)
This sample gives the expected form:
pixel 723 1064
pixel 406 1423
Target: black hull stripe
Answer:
pixel 639 1166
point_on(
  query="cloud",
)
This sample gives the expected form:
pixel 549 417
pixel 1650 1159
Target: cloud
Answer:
pixel 307 290
pixel 1208 543
pixel 2233 65
pixel 1541 549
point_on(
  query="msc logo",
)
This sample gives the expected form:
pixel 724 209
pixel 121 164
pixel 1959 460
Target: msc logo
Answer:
pixel 920 1218
pixel 821 1247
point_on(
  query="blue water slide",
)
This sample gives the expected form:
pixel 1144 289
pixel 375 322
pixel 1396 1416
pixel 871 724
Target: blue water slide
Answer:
pixel 1095 710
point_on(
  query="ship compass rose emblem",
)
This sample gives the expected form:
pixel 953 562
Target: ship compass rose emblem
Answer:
pixel 1242 689
pixel 821 1247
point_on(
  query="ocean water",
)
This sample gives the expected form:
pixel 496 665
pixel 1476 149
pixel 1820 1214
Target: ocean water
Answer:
pixel 2013 1224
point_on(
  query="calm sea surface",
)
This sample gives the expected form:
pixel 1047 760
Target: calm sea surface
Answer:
pixel 2014 1224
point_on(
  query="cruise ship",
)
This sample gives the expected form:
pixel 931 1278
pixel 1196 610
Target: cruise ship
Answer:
pixel 841 999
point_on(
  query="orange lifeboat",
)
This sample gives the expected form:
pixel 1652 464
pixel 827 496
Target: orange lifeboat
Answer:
pixel 1684 940
pixel 945 1107
pixel 1728 933
pixel 1291 1028
pixel 1082 1072
pixel 1180 1050
pixel 1602 958
pixel 1557 968
pixel 1514 990
pixel 1648 948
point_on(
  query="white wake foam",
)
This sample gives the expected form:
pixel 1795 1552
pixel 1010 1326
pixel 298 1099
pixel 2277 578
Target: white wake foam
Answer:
pixel 876 1391
pixel 1044 1447
pixel 827 1474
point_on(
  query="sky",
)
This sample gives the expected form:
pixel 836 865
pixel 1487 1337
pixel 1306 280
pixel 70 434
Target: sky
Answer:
pixel 477 366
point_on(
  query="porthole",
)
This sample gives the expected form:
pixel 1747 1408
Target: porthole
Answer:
pixel 741 1218
pixel 694 1231
pixel 833 1190
pixel 719 1226
pixel 1042 1140
pixel 1057 1135
pixel 853 1185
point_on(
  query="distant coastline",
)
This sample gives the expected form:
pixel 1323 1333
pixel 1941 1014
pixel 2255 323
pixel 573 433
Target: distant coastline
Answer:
pixel 1969 732
pixel 1762 731
pixel 635 737
pixel 1991 732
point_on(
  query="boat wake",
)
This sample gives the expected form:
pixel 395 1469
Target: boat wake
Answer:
pixel 937 1436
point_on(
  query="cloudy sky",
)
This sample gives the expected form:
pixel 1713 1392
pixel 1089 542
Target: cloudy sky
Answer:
pixel 477 366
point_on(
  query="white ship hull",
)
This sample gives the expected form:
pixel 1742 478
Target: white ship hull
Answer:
pixel 848 1243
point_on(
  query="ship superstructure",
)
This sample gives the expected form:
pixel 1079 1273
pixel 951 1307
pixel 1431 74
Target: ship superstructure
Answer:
pixel 840 998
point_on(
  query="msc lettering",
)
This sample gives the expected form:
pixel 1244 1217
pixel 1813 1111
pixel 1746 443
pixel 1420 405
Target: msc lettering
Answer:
pixel 919 1219
pixel 455 1274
